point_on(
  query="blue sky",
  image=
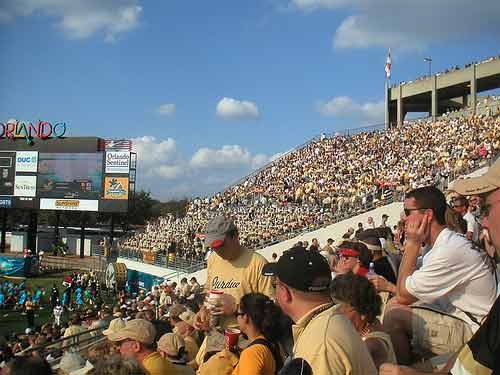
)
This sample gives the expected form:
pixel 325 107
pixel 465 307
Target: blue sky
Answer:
pixel 211 90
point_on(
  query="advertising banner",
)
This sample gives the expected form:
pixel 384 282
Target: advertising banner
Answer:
pixel 117 162
pixel 69 204
pixel 115 188
pixel 25 186
pixel 11 266
pixel 26 161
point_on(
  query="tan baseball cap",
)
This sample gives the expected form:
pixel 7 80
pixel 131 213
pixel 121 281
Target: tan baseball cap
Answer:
pixel 217 229
pixel 171 343
pixel 136 329
pixel 114 326
pixel 188 317
pixel 478 185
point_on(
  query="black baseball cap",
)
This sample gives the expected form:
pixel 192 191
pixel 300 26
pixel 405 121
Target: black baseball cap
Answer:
pixel 307 271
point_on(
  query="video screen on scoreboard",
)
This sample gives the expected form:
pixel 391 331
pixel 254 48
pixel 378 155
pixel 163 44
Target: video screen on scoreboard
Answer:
pixel 77 176
pixel 7 172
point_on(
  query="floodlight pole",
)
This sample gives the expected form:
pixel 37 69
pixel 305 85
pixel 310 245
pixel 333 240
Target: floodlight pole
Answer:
pixel 429 60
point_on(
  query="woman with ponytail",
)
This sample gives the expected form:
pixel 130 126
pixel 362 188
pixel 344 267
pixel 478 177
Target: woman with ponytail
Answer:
pixel 259 319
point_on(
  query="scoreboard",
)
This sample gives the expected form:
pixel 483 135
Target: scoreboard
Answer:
pixel 69 174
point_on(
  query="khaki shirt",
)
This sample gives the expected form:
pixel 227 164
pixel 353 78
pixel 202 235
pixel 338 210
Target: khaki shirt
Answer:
pixel 329 343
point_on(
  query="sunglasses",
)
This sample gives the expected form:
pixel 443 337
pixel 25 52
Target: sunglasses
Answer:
pixel 408 211
pixel 239 313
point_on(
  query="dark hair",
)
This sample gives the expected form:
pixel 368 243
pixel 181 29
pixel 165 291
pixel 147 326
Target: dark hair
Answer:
pixel 265 314
pixel 373 241
pixel 432 198
pixel 232 233
pixel 365 256
pixel 460 201
pixel 29 366
pixel 358 292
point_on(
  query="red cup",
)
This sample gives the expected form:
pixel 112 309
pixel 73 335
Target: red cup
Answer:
pixel 231 336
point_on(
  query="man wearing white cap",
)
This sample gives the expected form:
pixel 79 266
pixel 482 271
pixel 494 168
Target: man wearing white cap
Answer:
pixel 480 355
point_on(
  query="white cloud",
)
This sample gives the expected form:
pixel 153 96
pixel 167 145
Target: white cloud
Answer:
pixel 227 157
pixel 167 109
pixel 420 24
pixel 79 19
pixel 343 106
pixel 167 174
pixel 232 109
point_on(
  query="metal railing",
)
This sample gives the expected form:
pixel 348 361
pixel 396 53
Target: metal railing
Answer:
pixel 79 342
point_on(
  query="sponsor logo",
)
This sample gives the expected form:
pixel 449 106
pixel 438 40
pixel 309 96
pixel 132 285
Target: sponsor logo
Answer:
pixel 13 129
pixel 5 202
pixel 25 186
pixel 69 204
pixel 65 203
pixel 117 162
pixel 116 188
pixel 26 161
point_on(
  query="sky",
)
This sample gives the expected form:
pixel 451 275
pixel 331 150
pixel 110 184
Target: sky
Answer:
pixel 209 91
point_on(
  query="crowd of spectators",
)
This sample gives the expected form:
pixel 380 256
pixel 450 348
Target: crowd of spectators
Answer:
pixel 421 297
pixel 326 179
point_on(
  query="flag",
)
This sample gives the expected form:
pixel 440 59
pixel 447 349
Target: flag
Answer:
pixel 388 64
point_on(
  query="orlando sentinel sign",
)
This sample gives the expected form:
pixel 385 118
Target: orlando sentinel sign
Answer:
pixel 14 129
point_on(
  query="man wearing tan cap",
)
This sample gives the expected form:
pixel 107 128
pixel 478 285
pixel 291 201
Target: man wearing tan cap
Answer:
pixel 136 340
pixel 480 355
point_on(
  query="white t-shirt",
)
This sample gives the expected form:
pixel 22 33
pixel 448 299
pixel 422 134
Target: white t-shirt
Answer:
pixel 472 226
pixel 455 277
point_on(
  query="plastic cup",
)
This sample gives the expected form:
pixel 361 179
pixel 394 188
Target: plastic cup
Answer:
pixel 231 336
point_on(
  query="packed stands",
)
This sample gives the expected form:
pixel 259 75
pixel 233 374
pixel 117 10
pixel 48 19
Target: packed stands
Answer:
pixel 326 180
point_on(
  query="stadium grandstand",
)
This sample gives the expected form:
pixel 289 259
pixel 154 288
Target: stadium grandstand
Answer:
pixel 327 180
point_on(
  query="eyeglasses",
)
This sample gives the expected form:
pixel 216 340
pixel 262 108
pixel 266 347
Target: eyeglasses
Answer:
pixel 486 207
pixel 408 211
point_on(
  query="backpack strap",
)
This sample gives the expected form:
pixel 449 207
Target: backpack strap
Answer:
pixel 273 348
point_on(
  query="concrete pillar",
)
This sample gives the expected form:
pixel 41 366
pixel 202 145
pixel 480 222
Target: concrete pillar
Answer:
pixel 434 98
pixel 400 114
pixel 473 89
pixel 465 100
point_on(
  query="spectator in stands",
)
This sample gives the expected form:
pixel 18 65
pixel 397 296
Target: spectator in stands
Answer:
pixel 461 206
pixel 454 221
pixel 354 257
pixel 359 230
pixel 481 353
pixel 195 287
pixel 383 223
pixel 322 336
pixel 315 245
pixel 361 304
pixel 258 318
pixel 136 340
pixel 185 329
pixel 329 246
pixel 232 269
pixel 28 366
pixel 454 279
pixel 370 223
pixel 348 234
pixel 383 266
pixel 75 326
pixel 172 347
pixel 116 365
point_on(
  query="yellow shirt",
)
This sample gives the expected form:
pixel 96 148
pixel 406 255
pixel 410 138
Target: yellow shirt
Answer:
pixel 191 347
pixel 154 364
pixel 238 277
pixel 256 360
pixel 329 343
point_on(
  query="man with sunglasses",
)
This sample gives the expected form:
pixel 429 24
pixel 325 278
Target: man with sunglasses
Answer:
pixel 482 352
pixel 440 305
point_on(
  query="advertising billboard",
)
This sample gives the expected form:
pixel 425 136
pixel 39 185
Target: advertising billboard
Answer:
pixel 26 161
pixel 69 204
pixel 117 162
pixel 25 186
pixel 115 187
pixel 70 176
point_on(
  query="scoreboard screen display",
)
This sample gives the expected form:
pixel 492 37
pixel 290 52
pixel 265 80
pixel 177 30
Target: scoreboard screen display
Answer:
pixel 70 176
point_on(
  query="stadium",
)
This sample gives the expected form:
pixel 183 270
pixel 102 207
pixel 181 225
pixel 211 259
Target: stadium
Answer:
pixel 367 250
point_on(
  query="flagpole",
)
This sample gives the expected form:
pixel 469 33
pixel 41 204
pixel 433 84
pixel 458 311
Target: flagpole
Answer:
pixel 386 112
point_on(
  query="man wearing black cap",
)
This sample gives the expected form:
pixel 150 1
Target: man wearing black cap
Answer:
pixel 322 335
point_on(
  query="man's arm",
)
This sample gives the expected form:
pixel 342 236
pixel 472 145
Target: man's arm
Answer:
pixel 416 231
